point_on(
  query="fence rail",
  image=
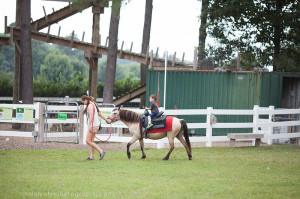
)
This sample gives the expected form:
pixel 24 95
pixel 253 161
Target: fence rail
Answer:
pixel 258 125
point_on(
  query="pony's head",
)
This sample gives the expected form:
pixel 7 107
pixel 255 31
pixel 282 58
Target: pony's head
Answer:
pixel 114 115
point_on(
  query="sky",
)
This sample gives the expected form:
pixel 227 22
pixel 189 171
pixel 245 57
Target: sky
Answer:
pixel 174 28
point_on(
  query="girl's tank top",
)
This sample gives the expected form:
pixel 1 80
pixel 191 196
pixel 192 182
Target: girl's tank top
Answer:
pixel 96 121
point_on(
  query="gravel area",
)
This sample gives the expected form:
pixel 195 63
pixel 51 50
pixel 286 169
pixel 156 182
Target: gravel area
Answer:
pixel 17 143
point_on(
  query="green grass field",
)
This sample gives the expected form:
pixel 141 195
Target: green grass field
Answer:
pixel 246 172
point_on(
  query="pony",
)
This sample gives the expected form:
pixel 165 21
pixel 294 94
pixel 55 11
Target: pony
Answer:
pixel 131 120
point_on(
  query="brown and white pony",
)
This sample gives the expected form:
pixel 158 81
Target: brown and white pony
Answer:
pixel 131 119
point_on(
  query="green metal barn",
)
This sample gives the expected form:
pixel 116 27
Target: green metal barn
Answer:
pixel 224 90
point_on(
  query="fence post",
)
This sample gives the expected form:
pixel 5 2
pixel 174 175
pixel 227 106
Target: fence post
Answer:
pixel 85 129
pixel 41 122
pixel 81 125
pixel 255 118
pixel 270 128
pixel 208 127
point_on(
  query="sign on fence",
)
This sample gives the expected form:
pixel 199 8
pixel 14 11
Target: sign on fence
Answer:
pixel 6 113
pixel 24 114
pixel 62 116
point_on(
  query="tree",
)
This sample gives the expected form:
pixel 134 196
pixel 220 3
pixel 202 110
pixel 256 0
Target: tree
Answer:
pixel 202 32
pixel 145 45
pixel 56 65
pixel 26 56
pixel 263 29
pixel 112 52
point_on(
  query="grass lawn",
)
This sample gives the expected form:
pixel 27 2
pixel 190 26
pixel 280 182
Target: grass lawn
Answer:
pixel 246 172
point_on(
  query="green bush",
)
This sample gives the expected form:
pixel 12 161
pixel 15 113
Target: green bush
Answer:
pixel 76 87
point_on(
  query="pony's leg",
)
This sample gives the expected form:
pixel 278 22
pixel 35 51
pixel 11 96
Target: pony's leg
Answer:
pixel 133 140
pixel 171 142
pixel 142 148
pixel 183 142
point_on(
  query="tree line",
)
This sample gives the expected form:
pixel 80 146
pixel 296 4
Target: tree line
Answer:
pixel 59 71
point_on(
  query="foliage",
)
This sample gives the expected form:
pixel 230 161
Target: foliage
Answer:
pixel 60 87
pixel 56 65
pixel 218 172
pixel 263 31
pixel 6 84
pixel 127 84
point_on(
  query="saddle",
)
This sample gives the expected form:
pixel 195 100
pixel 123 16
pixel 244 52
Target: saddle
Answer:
pixel 159 121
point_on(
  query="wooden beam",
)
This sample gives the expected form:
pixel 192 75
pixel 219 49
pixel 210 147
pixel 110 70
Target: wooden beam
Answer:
pixel 130 95
pixel 17 46
pixel 55 17
pixel 89 47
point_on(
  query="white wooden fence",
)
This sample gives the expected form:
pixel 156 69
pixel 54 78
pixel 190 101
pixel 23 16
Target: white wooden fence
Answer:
pixel 209 112
pixel 257 123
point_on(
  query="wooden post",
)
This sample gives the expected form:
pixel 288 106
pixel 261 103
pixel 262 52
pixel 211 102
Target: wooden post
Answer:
pixel 270 129
pixel 41 123
pixel 174 59
pixel 81 124
pixel 53 10
pixel 99 40
pixel 208 127
pixel 83 36
pixel 72 39
pixel 58 31
pixel 156 55
pixel 183 57
pixel 11 39
pixel 106 42
pixel 121 50
pixel 46 17
pixel 36 26
pixel 147 56
pixel 47 40
pixel 151 60
pixel 95 42
pixel 195 59
pixel 131 47
pixel 5 24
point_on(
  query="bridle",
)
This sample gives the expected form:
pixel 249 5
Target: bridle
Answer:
pixel 116 117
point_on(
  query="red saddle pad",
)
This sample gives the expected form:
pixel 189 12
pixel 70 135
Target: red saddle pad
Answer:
pixel 169 121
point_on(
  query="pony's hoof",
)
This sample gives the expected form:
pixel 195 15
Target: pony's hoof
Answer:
pixel 190 158
pixel 165 159
pixel 143 157
pixel 129 156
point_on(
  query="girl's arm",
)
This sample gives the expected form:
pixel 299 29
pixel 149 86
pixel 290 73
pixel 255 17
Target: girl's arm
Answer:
pixel 91 119
pixel 103 117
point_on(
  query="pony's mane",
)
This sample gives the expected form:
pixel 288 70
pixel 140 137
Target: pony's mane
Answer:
pixel 129 116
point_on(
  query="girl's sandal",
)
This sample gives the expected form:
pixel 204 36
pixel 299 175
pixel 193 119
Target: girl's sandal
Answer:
pixel 89 158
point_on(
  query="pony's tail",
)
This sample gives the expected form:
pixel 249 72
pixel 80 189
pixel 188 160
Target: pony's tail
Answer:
pixel 186 134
